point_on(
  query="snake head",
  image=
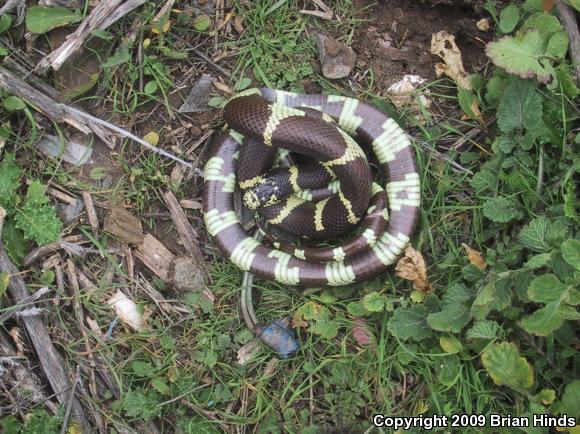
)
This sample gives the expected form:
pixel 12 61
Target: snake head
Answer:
pixel 264 194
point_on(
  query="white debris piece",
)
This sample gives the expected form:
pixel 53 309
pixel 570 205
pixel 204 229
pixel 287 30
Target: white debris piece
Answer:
pixel 126 310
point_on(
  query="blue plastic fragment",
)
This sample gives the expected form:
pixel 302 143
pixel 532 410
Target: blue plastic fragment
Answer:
pixel 278 337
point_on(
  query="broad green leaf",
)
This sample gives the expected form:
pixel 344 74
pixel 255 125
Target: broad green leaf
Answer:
pixel 484 329
pixel 455 310
pixel 161 386
pixel 503 363
pixel 545 396
pixel 326 328
pixel 533 235
pixel 217 101
pixel 548 288
pixel 5 22
pixel 450 344
pixel 548 319
pixel 503 144
pixel 496 295
pixel 571 253
pixel 37 218
pixel 409 323
pixel 531 6
pixel 558 45
pixel 40 19
pixel 201 23
pixel 566 81
pixel 521 56
pixel 449 371
pixel 313 311
pixel 242 84
pixel 495 88
pixel 14 242
pixel 544 23
pixel 500 209
pixel 151 87
pixel 508 18
pixel 373 302
pixel 122 55
pixel 103 34
pixel 356 309
pixel 485 179
pixel 569 403
pixel 520 107
pixel 538 261
pixel 9 176
pixel 13 103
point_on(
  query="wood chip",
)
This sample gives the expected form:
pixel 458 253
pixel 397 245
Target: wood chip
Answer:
pixel 90 209
pixel 122 224
pixel 155 256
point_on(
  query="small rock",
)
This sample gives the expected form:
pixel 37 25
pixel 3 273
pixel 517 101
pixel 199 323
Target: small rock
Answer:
pixel 186 275
pixel 337 59
pixel 69 213
pixel 199 96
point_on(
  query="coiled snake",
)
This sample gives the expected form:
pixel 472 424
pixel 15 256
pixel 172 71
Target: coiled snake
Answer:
pixel 322 128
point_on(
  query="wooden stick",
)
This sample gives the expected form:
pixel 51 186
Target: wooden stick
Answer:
pixel 185 231
pixel 98 15
pixel 90 209
pixel 51 362
pixel 49 107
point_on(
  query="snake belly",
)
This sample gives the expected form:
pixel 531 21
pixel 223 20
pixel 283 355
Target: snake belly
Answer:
pixel 377 247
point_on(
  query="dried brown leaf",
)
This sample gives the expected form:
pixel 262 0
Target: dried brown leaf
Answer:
pixel 475 257
pixel 361 333
pixel 412 267
pixel 443 45
pixel 483 25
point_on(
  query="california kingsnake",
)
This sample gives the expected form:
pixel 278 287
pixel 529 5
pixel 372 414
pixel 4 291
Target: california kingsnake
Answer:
pixel 271 119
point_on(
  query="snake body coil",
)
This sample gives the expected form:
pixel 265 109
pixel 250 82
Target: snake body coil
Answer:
pixel 323 128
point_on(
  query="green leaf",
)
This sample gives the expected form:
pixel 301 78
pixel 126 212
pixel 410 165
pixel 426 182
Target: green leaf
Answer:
pixel 150 88
pixel 326 328
pixel 13 103
pixel 503 363
pixel 495 88
pixel 103 34
pixel 356 309
pixel 373 302
pixel 558 45
pixel 455 310
pixel 568 404
pixel 520 107
pixel 531 6
pixel 571 253
pixel 538 261
pixel 37 218
pixel 566 81
pixel 4 281
pixel 508 18
pixel 161 386
pixel 449 371
pixel 450 344
pixel 14 242
pixel 496 295
pixel 503 144
pixel 217 101
pixel 467 101
pixel 201 23
pixel 521 56
pixel 40 19
pixel 9 176
pixel 122 55
pixel 5 22
pixel 548 319
pixel 500 209
pixel 533 235
pixel 544 23
pixel 242 84
pixel 409 323
pixel 484 329
pixel 545 396
pixel 548 288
